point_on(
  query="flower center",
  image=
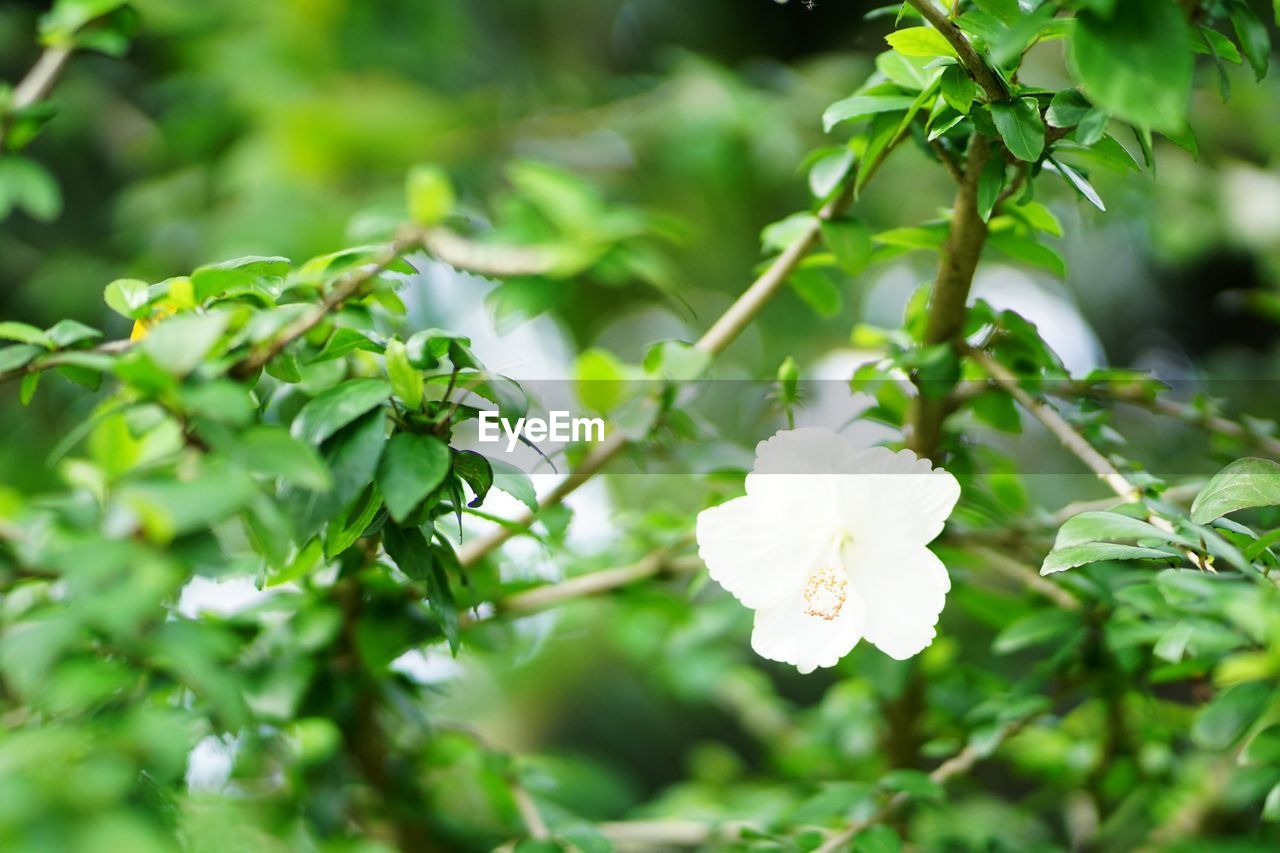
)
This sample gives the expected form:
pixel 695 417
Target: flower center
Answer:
pixel 825 592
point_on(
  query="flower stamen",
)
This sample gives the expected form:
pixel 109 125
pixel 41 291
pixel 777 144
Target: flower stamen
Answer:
pixel 825 592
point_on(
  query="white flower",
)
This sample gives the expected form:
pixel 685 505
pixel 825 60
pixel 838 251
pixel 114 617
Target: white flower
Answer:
pixel 829 546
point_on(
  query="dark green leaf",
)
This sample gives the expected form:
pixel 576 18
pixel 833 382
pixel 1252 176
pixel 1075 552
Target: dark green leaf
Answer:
pixel 337 407
pixel 1225 720
pixel 412 467
pixel 1020 127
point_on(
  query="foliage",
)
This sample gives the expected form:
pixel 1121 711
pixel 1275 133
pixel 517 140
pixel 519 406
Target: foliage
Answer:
pixel 287 421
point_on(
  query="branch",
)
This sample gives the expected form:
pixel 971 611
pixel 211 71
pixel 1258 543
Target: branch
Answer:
pixel 965 238
pixel 722 333
pixel 982 73
pixel 488 260
pixel 36 85
pixel 1181 411
pixel 958 765
pixel 342 290
pixel 595 583
pixel 1073 441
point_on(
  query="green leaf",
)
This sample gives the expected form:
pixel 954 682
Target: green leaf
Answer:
pixel 179 343
pixel 415 557
pixel 28 186
pixel 1068 108
pixel 1225 720
pixel 1078 182
pixel 11 330
pixel 920 41
pixel 1111 527
pixel 1254 38
pixel 817 290
pixel 863 106
pixel 877 839
pixel 676 360
pixel 412 467
pixel 1061 559
pixel 958 90
pixel 1245 483
pixel 1035 629
pixel 1137 62
pixel 510 479
pixel 342 343
pixel 171 508
pixel 67 333
pixel 406 380
pixel 476 471
pixel 913 783
pixel 1028 250
pixel 429 194
pixel 270 451
pixel 990 184
pixel 849 240
pixel 599 380
pixel 1263 748
pixel 340 537
pixel 128 297
pixel 337 407
pixel 1020 127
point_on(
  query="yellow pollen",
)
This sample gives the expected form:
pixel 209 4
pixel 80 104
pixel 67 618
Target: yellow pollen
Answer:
pixel 824 593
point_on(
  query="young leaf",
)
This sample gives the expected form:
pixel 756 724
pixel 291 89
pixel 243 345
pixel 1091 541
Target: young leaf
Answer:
pixel 849 240
pixel 412 467
pixel 1245 483
pixel 1020 127
pixel 429 194
pixel 406 381
pixel 920 41
pixel 127 297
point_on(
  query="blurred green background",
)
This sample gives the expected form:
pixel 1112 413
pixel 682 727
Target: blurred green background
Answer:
pixel 236 127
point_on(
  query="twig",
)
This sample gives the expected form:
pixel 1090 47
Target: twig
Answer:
pixel 722 333
pixel 1181 411
pixel 958 765
pixel 36 85
pixel 488 260
pixel 990 81
pixel 53 359
pixel 1025 575
pixel 342 290
pixel 594 583
pixel 1073 441
pixel 528 809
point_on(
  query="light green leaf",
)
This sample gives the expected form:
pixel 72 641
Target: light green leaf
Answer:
pixel 406 380
pixel 178 343
pixel 1061 559
pixel 411 468
pixel 67 333
pixel 958 90
pixel 1245 483
pixel 127 297
pixel 26 185
pixel 849 240
pixel 510 479
pixel 863 106
pixel 337 407
pixel 429 194
pixel 1028 250
pixel 11 330
pixel 817 290
pixel 920 41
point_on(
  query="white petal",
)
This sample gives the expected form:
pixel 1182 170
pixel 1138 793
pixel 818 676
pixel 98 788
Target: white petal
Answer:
pixel 802 451
pixel 895 495
pixel 904 586
pixel 787 634
pixel 756 553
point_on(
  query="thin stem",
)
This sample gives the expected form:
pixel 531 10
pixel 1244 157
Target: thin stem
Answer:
pixel 990 81
pixel 38 82
pixel 342 290
pixel 1172 408
pixel 958 765
pixel 722 333
pixel 1025 575
pixel 1074 442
